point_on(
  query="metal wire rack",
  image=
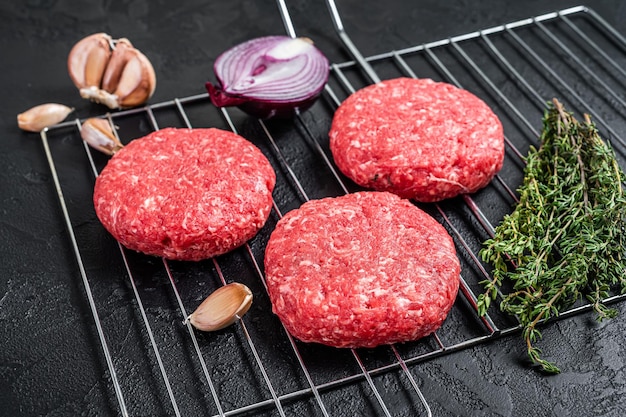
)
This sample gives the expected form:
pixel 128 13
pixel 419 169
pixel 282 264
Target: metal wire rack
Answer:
pixel 255 367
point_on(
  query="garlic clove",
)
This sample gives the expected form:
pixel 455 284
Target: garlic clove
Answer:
pixel 119 58
pixel 99 134
pixel 222 308
pixel 44 115
pixel 88 59
pixel 138 81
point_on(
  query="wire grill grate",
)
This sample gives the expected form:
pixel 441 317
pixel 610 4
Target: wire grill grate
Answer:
pixel 158 365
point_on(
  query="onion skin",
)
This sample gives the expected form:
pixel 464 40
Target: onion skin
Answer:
pixel 269 77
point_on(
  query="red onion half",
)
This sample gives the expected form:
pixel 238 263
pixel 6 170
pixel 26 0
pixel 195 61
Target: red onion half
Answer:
pixel 272 76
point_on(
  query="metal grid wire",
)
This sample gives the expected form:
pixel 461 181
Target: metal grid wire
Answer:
pixel 256 367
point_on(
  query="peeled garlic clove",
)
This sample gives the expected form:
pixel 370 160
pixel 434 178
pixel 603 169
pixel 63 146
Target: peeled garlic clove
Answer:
pixel 222 308
pixel 88 59
pixel 42 116
pixel 99 134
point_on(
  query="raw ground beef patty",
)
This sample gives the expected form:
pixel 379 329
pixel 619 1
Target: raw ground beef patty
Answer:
pixel 361 270
pixel 185 194
pixel 417 138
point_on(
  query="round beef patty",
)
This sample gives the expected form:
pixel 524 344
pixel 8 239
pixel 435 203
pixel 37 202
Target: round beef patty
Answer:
pixel 185 194
pixel 417 138
pixel 361 270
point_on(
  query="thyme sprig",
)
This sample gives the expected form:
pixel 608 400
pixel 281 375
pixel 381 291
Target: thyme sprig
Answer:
pixel 565 238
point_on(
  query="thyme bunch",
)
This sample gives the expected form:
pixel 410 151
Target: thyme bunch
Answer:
pixel 565 238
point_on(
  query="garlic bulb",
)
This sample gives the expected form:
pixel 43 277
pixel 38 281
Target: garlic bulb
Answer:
pixel 111 71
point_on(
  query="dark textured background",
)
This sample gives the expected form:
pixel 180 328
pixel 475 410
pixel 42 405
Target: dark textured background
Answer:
pixel 50 361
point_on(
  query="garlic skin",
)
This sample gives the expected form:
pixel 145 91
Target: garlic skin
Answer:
pixel 222 308
pixel 111 71
pixel 39 117
pixel 99 134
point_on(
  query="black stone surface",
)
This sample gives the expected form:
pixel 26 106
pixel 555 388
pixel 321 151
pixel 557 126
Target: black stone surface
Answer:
pixel 51 362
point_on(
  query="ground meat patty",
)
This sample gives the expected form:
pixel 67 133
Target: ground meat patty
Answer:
pixel 417 138
pixel 185 194
pixel 361 270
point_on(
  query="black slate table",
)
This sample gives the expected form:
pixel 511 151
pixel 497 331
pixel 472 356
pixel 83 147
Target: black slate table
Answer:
pixel 51 361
